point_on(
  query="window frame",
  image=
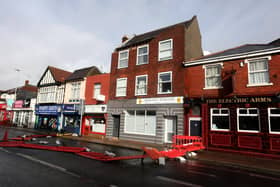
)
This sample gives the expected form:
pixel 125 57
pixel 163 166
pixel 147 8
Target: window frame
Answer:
pixel 146 90
pixel 118 79
pixel 171 80
pixel 220 65
pixel 171 49
pixel 269 124
pixel 220 114
pixel 139 47
pixel 119 59
pixel 75 92
pixel 145 120
pixel 94 89
pixel 258 115
pixel 248 61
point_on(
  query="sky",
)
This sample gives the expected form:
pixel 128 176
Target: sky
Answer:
pixel 74 34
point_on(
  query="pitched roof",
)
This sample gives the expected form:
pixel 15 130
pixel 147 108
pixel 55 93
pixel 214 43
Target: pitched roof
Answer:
pixel 137 39
pixel 81 73
pixel 59 75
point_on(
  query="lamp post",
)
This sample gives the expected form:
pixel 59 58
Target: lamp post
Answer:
pixel 17 70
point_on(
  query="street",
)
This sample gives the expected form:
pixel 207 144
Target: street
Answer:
pixel 30 167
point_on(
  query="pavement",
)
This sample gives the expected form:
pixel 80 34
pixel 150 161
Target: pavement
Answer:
pixel 252 163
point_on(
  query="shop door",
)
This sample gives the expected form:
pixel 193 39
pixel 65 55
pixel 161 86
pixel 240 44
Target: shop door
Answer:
pixel 116 125
pixel 195 127
pixel 170 128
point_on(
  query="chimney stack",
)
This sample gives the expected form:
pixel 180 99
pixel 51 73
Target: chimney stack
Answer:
pixel 124 38
pixel 26 82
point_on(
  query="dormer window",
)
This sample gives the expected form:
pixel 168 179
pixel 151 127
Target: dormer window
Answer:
pixel 123 59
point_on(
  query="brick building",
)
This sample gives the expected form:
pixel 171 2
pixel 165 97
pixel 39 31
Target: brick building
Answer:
pixel 96 98
pixel 233 99
pixel 146 83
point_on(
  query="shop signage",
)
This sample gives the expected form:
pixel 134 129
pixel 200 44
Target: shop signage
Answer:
pixel 95 108
pixel 26 103
pixel 3 106
pixel 263 99
pixel 18 104
pixel 70 108
pixel 48 109
pixel 160 100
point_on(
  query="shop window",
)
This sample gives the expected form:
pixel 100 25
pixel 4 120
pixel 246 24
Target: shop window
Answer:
pixel 141 85
pixel 71 121
pixel 220 119
pixel 248 120
pixel 140 122
pixel 274 120
pixel 97 124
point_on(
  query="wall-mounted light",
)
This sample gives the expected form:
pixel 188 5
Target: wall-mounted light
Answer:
pixel 241 64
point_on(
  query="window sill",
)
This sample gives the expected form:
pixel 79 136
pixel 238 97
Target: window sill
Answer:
pixel 168 58
pixel 120 95
pixel 161 93
pixel 139 133
pixel 122 67
pixel 140 94
pixel 248 131
pixel 141 64
pixel 265 84
pixel 221 130
pixel 274 133
pixel 212 88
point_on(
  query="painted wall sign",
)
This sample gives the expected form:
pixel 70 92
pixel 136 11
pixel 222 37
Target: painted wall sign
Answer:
pixel 160 100
pixel 18 104
pixel 243 100
pixel 95 108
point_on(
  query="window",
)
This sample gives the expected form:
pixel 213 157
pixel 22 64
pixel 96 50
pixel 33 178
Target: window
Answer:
pixel 248 119
pixel 123 59
pixel 220 119
pixel 141 85
pixel 47 94
pixel 96 90
pixel 165 50
pixel 258 73
pixel 274 120
pixel 213 76
pixel 75 92
pixel 165 82
pixel 140 122
pixel 121 87
pixel 142 55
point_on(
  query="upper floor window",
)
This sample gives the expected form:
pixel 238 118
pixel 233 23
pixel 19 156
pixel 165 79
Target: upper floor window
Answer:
pixel 75 92
pixel 258 73
pixel 165 82
pixel 123 59
pixel 213 76
pixel 142 54
pixel 96 90
pixel 121 87
pixel 141 85
pixel 220 119
pixel 165 49
pixel 248 119
pixel 274 120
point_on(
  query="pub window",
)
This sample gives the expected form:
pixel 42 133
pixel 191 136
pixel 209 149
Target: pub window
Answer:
pixel 274 120
pixel 213 76
pixel 220 119
pixel 248 120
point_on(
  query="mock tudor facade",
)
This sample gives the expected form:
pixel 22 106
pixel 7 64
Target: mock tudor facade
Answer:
pixel 233 99
pixel 146 83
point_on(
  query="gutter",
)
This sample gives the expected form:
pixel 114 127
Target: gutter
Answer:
pixel 232 57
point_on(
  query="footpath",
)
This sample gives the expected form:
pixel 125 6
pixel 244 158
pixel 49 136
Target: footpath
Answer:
pixel 252 163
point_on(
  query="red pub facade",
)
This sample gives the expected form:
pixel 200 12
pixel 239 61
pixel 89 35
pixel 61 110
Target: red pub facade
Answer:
pixel 232 99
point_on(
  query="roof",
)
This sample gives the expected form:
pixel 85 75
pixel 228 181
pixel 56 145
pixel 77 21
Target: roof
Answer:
pixel 29 88
pixel 81 73
pixel 137 39
pixel 59 75
pixel 238 52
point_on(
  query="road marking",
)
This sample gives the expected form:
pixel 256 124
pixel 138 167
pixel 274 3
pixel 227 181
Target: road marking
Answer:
pixel 201 173
pixel 4 150
pixel 264 177
pixel 64 170
pixel 177 181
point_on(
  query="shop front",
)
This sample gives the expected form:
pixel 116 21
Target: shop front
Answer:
pixel 94 120
pixel 23 114
pixel 243 124
pixel 48 117
pixel 5 115
pixel 71 118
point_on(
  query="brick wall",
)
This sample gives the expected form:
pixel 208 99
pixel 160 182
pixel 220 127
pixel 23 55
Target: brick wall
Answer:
pixel 195 80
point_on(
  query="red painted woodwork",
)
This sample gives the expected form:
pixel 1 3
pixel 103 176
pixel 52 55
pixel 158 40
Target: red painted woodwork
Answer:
pixel 250 142
pixel 221 139
pixel 275 144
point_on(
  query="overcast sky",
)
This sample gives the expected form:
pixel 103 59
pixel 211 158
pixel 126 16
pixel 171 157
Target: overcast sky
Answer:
pixel 73 34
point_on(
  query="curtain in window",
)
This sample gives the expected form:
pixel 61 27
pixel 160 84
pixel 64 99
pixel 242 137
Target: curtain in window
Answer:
pixel 258 72
pixel 213 77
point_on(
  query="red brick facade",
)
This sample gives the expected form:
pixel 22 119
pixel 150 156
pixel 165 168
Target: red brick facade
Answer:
pixel 153 67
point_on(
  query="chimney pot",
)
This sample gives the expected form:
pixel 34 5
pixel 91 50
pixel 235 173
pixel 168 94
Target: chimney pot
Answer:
pixel 124 38
pixel 26 82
